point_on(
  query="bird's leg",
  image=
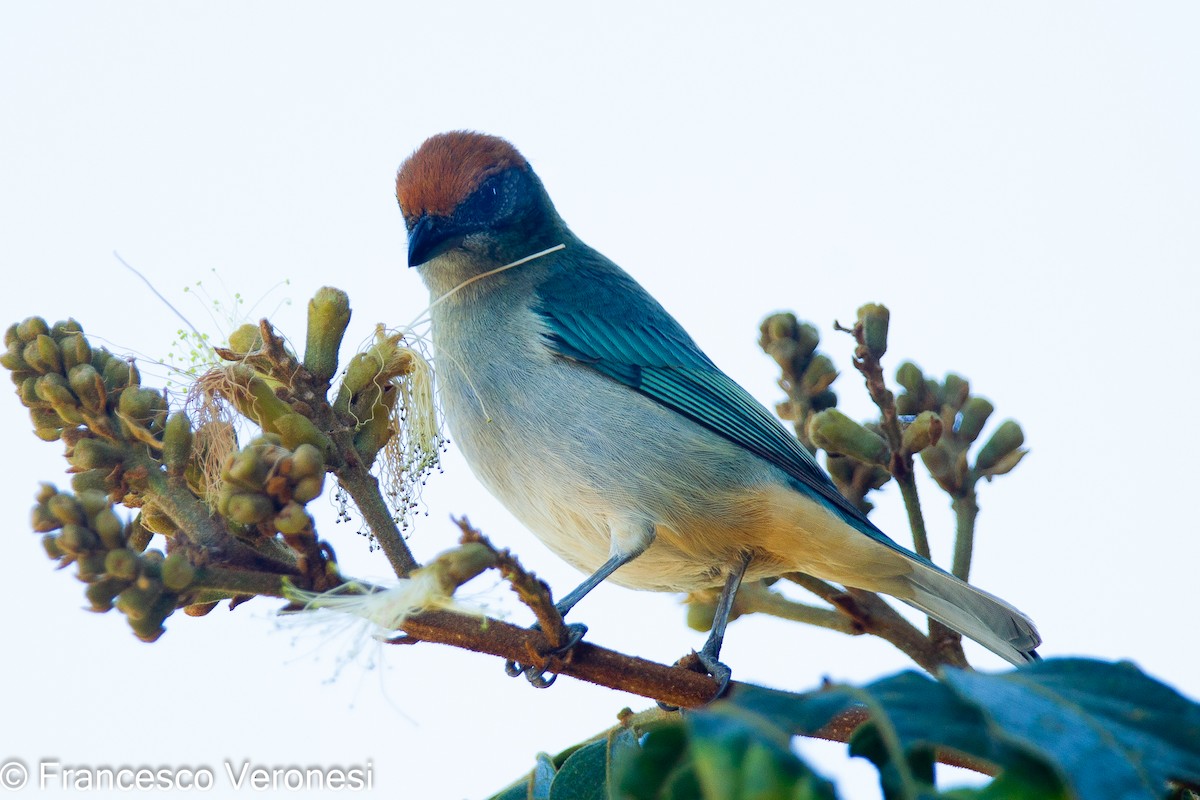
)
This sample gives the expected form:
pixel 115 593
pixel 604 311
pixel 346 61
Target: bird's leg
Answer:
pixel 537 676
pixel 710 653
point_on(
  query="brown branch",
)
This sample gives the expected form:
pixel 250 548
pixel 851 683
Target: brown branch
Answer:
pixel 587 662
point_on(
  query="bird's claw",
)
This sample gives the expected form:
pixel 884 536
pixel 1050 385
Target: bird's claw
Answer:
pixel 715 670
pixel 537 675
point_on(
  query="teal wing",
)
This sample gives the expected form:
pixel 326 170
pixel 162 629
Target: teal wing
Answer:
pixel 603 319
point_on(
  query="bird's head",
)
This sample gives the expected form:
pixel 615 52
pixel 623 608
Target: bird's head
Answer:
pixel 473 195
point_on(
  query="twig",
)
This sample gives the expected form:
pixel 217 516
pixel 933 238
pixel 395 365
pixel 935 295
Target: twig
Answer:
pixel 588 662
pixel 966 509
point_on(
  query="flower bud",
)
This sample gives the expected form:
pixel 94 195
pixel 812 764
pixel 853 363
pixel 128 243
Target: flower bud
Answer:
pixel 75 350
pixel 177 572
pixel 328 316
pixel 246 508
pixel 818 376
pixel 31 328
pixel 833 431
pixel 246 339
pixel 923 432
pixel 296 429
pixel 307 462
pixel 292 519
pixel 874 319
pixel 955 390
pixel 975 413
pixel 308 489
pixel 177 442
pixel 122 563
pixel 89 387
pixel 909 376
pixel 1007 438
pixel 94 454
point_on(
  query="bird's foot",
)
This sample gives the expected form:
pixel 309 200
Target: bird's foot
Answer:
pixel 537 675
pixel 709 664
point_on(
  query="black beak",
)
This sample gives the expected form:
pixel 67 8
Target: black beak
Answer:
pixel 431 237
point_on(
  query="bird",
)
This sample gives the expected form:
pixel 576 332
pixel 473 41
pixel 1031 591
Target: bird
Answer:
pixel 583 406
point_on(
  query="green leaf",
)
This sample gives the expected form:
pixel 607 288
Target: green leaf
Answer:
pixel 541 778
pixel 644 773
pixel 901 775
pixel 741 756
pixel 584 775
pixel 1111 730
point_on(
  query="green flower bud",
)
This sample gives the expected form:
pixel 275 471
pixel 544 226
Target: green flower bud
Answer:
pixel 92 503
pixel 48 434
pixel 137 537
pixel 247 508
pixel 154 519
pixel 909 376
pixel 700 615
pixel 779 326
pixel 87 384
pixel 246 339
pixel 177 442
pixel 818 376
pixel 75 350
pixel 328 316
pixel 101 593
pixel 45 492
pixel 308 489
pixel 43 520
pixel 362 371
pixel 89 566
pixel 295 430
pixel 118 374
pixel 11 337
pixel 50 545
pixel 90 480
pixel 142 407
pixel 122 563
pixel 833 431
pixel 27 391
pixel 177 572
pixel 65 509
pixel 45 418
pixel 1005 465
pixel 14 359
pixel 76 539
pixel 292 519
pixel 43 355
pixel 975 413
pixel 54 389
pixel 874 319
pixel 456 567
pixel 1007 438
pixel 924 431
pixel 64 328
pixel 906 404
pixel 307 462
pixel 94 454
pixel 32 328
pixel 955 390
pixel 108 527
pixel 135 602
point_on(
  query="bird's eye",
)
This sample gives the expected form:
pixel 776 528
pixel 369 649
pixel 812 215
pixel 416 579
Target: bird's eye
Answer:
pixel 488 199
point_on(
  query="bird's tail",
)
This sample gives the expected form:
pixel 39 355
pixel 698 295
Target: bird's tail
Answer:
pixel 974 613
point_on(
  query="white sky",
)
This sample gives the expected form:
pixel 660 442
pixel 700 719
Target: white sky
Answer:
pixel 1018 184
